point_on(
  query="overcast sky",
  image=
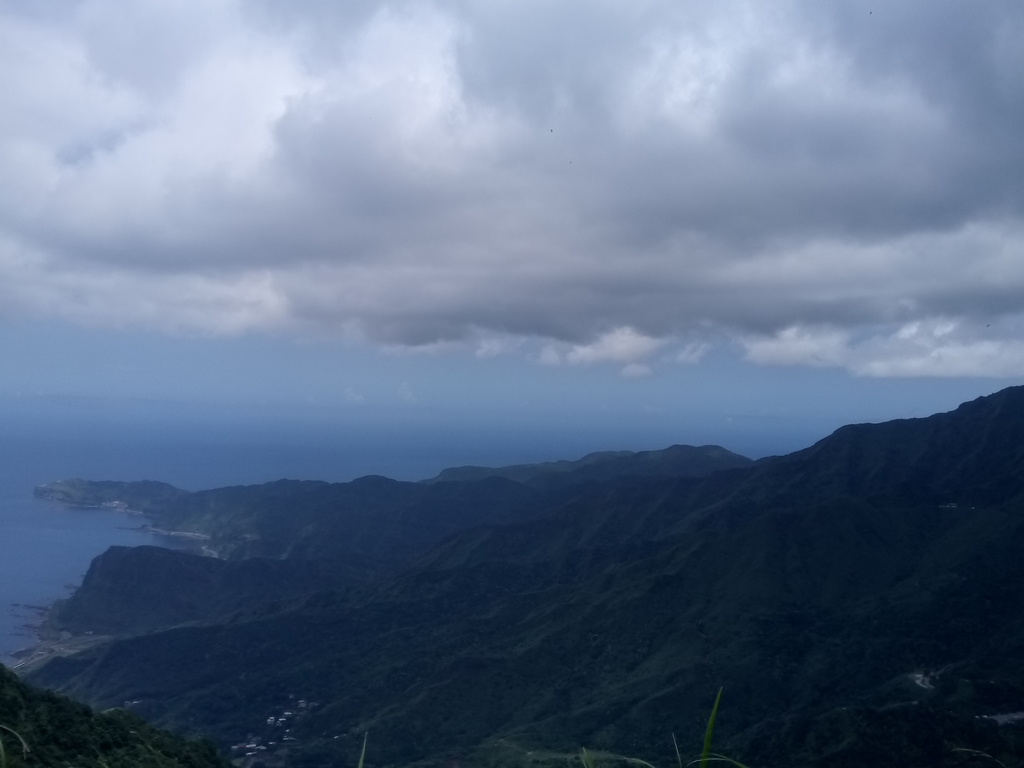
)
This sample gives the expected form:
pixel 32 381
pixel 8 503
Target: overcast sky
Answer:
pixel 607 189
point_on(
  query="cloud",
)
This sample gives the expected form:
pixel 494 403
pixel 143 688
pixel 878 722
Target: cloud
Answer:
pixel 692 353
pixel 549 356
pixel 936 347
pixel 820 347
pixel 804 178
pixel 623 345
pixel 488 344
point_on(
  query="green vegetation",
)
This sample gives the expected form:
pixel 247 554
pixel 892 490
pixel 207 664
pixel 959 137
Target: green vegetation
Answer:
pixel 362 752
pixel 43 729
pixel 860 600
pixel 131 590
pixel 706 755
pixel 3 751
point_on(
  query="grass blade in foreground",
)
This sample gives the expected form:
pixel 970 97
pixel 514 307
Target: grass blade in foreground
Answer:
pixel 710 729
pixel 362 755
pixel 3 755
pixel 707 756
pixel 978 753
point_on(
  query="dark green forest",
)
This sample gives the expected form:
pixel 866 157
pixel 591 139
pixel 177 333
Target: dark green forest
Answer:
pixel 45 729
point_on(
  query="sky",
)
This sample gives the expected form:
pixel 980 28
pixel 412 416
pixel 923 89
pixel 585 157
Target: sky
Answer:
pixel 629 223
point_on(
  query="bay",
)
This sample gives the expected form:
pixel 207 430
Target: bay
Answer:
pixel 45 550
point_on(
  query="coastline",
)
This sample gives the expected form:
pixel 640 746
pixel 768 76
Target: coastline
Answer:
pixel 120 506
pixel 35 628
pixel 45 641
pixel 177 534
pixel 36 655
pixel 195 540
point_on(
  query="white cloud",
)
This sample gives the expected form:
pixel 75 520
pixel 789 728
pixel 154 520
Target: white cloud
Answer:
pixel 549 355
pixel 692 353
pixel 931 347
pixel 623 345
pixel 1000 359
pixel 800 346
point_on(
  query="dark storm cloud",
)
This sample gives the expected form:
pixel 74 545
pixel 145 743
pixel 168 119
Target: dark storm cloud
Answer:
pixel 829 184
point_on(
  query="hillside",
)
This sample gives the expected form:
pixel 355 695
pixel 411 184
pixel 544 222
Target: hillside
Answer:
pixel 58 732
pixel 130 590
pixel 858 600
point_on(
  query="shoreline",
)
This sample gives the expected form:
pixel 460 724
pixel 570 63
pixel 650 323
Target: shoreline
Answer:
pixel 177 534
pixel 44 634
pixel 33 637
pixel 120 506
pixel 34 630
pixel 49 642
pixel 36 655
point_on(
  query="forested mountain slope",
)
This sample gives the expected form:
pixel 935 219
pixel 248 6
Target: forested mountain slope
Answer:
pixel 46 730
pixel 130 590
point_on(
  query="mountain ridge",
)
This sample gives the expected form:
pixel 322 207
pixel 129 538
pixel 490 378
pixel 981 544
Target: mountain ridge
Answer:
pixel 674 461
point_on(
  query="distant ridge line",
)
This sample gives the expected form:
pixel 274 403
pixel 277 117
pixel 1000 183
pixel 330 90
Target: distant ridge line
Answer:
pixel 687 460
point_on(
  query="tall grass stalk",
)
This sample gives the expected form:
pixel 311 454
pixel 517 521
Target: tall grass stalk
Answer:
pixel 362 755
pixel 706 752
pixel 978 753
pixel 706 755
pixel 3 754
